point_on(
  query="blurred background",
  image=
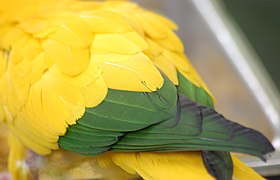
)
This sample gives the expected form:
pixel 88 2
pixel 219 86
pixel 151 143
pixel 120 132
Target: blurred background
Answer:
pixel 260 22
pixel 235 46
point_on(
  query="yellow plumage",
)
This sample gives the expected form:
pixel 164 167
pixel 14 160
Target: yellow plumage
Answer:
pixel 60 57
pixel 64 60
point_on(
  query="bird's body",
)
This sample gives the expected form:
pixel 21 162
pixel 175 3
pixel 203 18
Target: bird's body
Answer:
pixel 98 76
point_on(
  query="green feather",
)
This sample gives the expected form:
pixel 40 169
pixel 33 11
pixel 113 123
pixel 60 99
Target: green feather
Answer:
pixel 193 92
pixel 219 164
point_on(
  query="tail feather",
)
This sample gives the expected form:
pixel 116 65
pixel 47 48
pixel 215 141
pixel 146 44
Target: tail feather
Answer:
pixel 175 165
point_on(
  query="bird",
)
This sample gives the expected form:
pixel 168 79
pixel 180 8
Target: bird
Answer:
pixel 107 84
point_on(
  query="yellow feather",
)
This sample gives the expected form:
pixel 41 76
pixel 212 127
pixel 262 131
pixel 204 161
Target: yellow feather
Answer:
pixel 105 21
pixel 71 61
pixel 34 112
pixel 152 27
pixel 89 87
pixel 167 68
pixel 74 33
pixel 109 57
pixel 171 42
pixel 17 166
pixel 39 66
pixel 143 75
pixel 17 51
pixel 51 104
pixel 31 49
pixel 3 63
pixel 27 138
pixel 9 35
pixel 137 40
pixel 115 43
pixel 164 20
pixel 4 145
pixel 57 86
pixel 178 59
pixel 36 26
pixel 2 115
pixel 154 49
pixel 93 95
pixel 244 172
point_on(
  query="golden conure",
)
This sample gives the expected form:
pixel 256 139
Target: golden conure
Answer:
pixel 97 76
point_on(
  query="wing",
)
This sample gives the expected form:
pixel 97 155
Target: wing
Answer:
pixel 158 121
pixel 162 121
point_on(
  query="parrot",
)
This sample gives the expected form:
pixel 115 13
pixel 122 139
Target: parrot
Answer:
pixel 108 81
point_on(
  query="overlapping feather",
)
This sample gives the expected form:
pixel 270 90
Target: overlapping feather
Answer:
pixel 63 57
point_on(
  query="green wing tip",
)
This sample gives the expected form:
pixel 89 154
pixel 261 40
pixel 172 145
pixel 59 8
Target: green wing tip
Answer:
pixel 216 128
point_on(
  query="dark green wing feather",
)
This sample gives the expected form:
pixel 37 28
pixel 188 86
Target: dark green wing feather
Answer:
pixel 219 164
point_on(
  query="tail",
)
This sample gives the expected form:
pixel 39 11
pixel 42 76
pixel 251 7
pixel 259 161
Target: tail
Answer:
pixel 175 165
